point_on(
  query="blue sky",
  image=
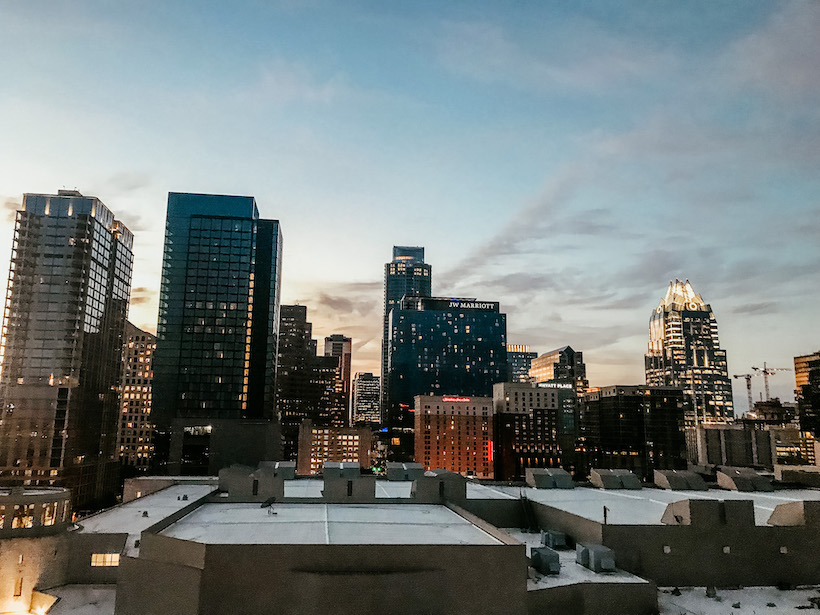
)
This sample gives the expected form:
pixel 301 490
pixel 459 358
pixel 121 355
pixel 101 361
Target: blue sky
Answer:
pixel 564 158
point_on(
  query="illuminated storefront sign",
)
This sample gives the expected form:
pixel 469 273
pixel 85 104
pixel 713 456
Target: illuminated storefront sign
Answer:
pixel 457 400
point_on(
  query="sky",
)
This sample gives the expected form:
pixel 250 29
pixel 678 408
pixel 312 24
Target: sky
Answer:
pixel 566 158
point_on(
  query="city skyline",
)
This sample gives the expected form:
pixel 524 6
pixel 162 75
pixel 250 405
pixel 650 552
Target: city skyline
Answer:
pixel 564 160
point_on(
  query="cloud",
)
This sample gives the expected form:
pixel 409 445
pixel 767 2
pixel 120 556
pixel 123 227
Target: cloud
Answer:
pixel 142 294
pixel 10 208
pixel 763 307
pixel 283 82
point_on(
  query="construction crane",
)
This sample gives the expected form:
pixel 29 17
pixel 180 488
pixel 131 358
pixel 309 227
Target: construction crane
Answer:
pixel 748 378
pixel 767 371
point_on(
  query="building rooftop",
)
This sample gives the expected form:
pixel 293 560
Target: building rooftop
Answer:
pixel 374 524
pixel 646 507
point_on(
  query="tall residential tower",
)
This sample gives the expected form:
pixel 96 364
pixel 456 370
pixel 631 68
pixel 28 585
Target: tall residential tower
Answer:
pixel 215 363
pixel 66 305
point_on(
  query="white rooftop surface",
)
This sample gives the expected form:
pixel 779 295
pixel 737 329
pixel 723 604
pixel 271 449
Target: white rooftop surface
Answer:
pixel 128 519
pixel 693 601
pixel 373 524
pixel 646 506
pixel 571 572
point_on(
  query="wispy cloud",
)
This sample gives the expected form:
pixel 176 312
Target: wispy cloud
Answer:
pixel 10 208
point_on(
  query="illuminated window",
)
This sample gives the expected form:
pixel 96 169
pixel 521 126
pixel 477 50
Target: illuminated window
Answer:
pixel 105 559
pixel 23 516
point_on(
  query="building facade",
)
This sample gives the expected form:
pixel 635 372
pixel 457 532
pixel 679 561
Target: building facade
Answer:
pixel 215 364
pixel 441 346
pixel 318 445
pixel 519 358
pixel 366 397
pixel 341 347
pixel 684 351
pixel 407 275
pixel 807 391
pixel 134 437
pixel 635 428
pixel 307 384
pixel 69 283
pixel 455 434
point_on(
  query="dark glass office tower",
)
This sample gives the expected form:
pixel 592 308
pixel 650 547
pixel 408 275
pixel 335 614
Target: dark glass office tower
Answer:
pixel 67 298
pixel 406 275
pixel 215 363
pixel 440 347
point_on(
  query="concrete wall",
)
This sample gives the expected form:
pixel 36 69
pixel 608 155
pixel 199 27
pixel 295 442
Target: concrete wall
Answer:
pixel 44 563
pixel 148 587
pixel 595 599
pixel 500 513
pixel 82 547
pixel 576 528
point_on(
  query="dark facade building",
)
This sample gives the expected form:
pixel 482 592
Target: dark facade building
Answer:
pixel 215 364
pixel 441 347
pixel 135 437
pixel 684 351
pixel 341 347
pixel 67 298
pixel 807 391
pixel 636 428
pixel 519 358
pixel 306 384
pixel 366 395
pixel 406 275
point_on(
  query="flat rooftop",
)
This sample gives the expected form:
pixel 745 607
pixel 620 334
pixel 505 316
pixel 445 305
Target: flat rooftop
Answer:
pixel 345 524
pixel 646 506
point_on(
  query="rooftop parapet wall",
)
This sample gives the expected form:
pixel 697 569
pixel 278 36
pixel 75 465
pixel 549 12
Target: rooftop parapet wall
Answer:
pixel 710 513
pixel 796 513
pixel 549 478
pixel 680 480
pixel 404 471
pixel 742 479
pixel 614 479
pixel 438 486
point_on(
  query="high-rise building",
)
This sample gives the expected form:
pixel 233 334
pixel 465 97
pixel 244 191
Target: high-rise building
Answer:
pixel 441 347
pixel 135 438
pixel 215 364
pixel 319 445
pixel 455 433
pixel 366 406
pixel 807 391
pixel 561 365
pixel 636 428
pixel 407 275
pixel 66 304
pixel 340 346
pixel 306 384
pixel 519 358
pixel 684 351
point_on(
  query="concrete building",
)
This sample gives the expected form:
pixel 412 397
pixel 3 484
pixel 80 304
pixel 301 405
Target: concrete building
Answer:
pixel 366 396
pixel 67 298
pixel 455 434
pixel 134 437
pixel 321 445
pixel 217 335
pixel 519 358
pixel 441 346
pixel 735 444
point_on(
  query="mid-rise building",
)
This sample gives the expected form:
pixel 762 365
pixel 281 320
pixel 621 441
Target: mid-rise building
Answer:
pixel 66 304
pixel 306 383
pixel 217 335
pixel 455 433
pixel 636 428
pixel 318 445
pixel 684 351
pixel 366 398
pixel 441 347
pixel 519 358
pixel 561 365
pixel 134 438
pixel 407 275
pixel 341 347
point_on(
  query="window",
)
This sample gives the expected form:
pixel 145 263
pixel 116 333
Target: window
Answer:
pixel 105 559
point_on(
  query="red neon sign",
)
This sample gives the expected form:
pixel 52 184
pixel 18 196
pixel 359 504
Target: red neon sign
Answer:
pixel 456 399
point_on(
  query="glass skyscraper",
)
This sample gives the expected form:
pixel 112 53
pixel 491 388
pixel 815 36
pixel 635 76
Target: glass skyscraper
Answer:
pixel 684 351
pixel 215 363
pixel 66 305
pixel 407 275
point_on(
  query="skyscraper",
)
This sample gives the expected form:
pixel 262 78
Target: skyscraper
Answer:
pixel 441 347
pixel 135 438
pixel 807 391
pixel 66 305
pixel 519 358
pixel 306 384
pixel 407 275
pixel 217 335
pixel 684 351
pixel 340 346
pixel 366 390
